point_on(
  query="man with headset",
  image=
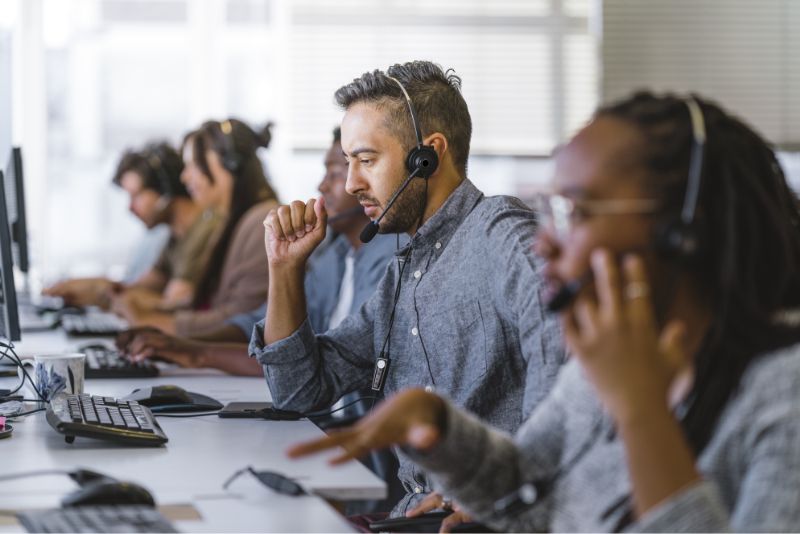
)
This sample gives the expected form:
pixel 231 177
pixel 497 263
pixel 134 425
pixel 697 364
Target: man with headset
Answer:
pixel 151 177
pixel 454 312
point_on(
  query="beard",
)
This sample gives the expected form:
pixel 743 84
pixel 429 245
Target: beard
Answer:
pixel 407 210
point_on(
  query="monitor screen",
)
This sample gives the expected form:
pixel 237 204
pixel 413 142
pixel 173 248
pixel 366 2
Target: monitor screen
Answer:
pixel 15 204
pixel 5 95
pixel 9 318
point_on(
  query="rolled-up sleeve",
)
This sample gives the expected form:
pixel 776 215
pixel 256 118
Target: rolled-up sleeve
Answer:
pixel 308 371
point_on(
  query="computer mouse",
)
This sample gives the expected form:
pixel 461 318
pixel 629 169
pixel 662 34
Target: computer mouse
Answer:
pixel 109 491
pixel 160 396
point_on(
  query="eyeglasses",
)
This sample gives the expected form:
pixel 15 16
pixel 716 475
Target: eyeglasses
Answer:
pixel 271 479
pixel 563 213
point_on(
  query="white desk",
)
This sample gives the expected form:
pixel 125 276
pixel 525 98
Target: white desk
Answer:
pixel 201 454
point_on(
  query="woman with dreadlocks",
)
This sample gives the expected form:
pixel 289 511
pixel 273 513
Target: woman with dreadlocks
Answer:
pixel 672 243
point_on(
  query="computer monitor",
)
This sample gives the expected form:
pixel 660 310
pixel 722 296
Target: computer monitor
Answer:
pixel 9 317
pixel 15 203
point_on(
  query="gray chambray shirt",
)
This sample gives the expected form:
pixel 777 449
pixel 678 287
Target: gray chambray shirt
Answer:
pixel 469 323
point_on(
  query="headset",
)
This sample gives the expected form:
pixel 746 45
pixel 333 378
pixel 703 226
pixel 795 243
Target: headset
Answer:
pixel 679 238
pixel 421 162
pixel 422 158
pixel 231 159
pixel 156 166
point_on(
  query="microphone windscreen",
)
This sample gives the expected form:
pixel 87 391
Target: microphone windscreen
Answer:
pixel 369 232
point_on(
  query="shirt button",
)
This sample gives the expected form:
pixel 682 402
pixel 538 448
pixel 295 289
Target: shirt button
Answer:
pixel 429 389
pixel 438 245
pixel 414 331
pixel 417 274
pixel 418 490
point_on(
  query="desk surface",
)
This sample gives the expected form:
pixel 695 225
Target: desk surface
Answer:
pixel 201 454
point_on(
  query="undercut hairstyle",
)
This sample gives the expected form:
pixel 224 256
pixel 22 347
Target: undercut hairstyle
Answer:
pixel 250 185
pixel 158 164
pixel 435 95
pixel 749 227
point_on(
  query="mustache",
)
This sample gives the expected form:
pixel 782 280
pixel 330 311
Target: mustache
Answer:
pixel 369 200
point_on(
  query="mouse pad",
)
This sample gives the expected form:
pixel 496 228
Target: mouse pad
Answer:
pixel 200 403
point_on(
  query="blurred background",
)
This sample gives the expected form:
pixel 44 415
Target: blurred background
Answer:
pixel 82 80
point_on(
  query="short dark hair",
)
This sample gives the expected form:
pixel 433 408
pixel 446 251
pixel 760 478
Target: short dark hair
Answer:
pixel 435 94
pixel 337 135
pixel 158 164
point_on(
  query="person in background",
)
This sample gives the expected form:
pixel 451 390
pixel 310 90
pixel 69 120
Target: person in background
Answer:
pixel 453 312
pixel 342 275
pixel 151 177
pixel 223 173
pixel 679 410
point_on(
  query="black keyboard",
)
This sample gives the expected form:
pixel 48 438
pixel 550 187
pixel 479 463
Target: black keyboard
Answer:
pixel 102 362
pixel 105 418
pixel 96 519
pixel 93 324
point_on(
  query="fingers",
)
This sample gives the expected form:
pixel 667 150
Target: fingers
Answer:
pixel 292 222
pixel 319 211
pixel 429 503
pixel 456 518
pixel 607 283
pixel 638 303
pixel 328 442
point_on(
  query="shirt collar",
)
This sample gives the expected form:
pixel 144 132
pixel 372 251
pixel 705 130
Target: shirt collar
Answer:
pixel 449 216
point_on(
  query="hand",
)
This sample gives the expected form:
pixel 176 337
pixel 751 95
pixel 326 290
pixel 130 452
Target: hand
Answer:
pixel 125 305
pixel 411 417
pixel 81 291
pixel 291 233
pixel 125 338
pixel 151 343
pixel 435 501
pixel 617 341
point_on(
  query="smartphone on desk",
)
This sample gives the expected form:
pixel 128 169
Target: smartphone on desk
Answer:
pixel 244 410
pixel 258 410
pixel 429 522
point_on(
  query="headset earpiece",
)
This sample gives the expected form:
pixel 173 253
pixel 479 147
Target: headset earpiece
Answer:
pixel 679 238
pixel 424 160
pixel 230 159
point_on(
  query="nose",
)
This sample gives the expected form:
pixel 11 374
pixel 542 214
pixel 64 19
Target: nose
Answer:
pixel 355 182
pixel 323 186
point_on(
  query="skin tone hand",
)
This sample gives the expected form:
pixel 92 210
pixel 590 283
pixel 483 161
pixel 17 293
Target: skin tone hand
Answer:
pixel 632 366
pixel 409 418
pixel 292 232
pixel 81 291
pixel 435 501
pixel 149 343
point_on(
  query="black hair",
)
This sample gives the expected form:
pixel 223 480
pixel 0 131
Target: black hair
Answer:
pixel 337 135
pixel 749 223
pixel 435 95
pixel 250 184
pixel 158 164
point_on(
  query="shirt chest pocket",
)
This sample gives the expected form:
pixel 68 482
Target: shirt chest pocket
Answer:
pixel 454 339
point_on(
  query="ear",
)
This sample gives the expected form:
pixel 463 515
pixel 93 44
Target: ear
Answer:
pixel 439 143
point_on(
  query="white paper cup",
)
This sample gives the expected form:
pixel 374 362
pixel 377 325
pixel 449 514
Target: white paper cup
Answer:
pixel 56 374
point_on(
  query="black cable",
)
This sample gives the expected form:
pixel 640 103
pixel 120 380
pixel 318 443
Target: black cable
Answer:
pixel 18 362
pixel 314 415
pixel 25 413
pixel 41 472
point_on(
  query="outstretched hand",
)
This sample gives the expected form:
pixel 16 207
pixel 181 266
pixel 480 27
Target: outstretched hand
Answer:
pixel 411 418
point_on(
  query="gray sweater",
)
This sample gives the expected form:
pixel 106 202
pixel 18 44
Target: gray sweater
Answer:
pixel 750 468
